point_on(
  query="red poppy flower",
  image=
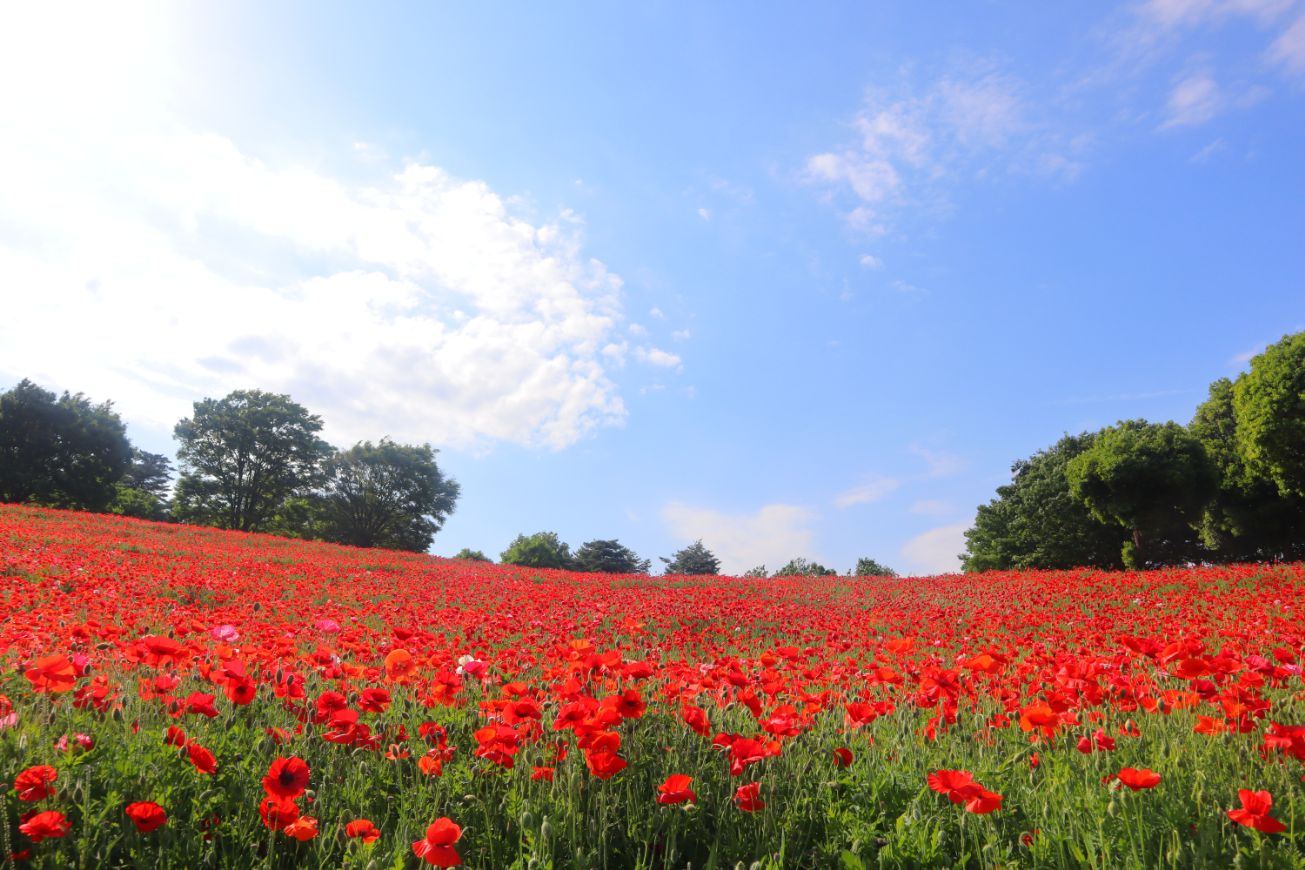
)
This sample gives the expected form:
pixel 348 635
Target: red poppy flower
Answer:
pixel 286 778
pixel 1138 779
pixel 174 736
pixel 52 674
pixel 748 797
pixel 1254 812
pixel 278 812
pixel 604 765
pixel 202 759
pixel 542 773
pixel 302 829
pixel 33 784
pixel 49 825
pixel 146 816
pixel 437 847
pixel 960 788
pixel 842 756
pixel 201 703
pixel 241 691
pixel 399 666
pixel 362 829
pixel 676 790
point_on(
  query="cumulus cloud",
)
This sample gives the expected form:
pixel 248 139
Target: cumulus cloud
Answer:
pixel 155 264
pixel 771 535
pixel 936 551
pixel 865 493
pixel 657 357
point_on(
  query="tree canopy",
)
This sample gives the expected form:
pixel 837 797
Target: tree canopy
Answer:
pixel 694 559
pixel 866 567
pixel 540 550
pixel 1155 480
pixel 801 567
pixel 243 455
pixel 471 555
pixel 609 557
pixel 386 495
pixel 60 451
pixel 1036 522
pixel 1269 404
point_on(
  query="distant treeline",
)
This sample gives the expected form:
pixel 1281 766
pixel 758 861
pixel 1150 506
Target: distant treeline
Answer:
pixel 252 461
pixel 1227 487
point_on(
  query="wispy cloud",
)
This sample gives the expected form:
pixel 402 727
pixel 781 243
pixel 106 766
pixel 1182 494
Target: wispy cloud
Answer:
pixel 1123 397
pixel 867 492
pixel 1194 100
pixel 940 462
pixel 1288 50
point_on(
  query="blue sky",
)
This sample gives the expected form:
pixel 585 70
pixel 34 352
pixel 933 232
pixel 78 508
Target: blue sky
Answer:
pixel 797 282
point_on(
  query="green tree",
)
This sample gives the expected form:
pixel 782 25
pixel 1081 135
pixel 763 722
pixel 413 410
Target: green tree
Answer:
pixel 470 555
pixel 60 451
pixel 1249 518
pixel 149 472
pixel 1269 403
pixel 243 455
pixel 1036 522
pixel 801 567
pixel 866 567
pixel 1154 479
pixel 759 571
pixel 693 560
pixel 540 550
pixel 609 557
pixel 386 495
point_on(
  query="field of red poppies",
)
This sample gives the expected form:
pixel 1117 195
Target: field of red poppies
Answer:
pixel 183 697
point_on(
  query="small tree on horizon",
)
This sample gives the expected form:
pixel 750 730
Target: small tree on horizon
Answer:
pixel 693 560
pixel 540 550
pixel 609 557
pixel 801 567
pixel 866 567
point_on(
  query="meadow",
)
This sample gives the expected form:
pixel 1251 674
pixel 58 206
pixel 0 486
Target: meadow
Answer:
pixel 174 696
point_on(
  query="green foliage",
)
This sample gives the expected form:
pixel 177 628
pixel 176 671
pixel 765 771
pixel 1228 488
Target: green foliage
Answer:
pixel 866 567
pixel 609 557
pixel 1154 479
pixel 131 502
pixel 1249 519
pixel 60 452
pixel 693 560
pixel 386 495
pixel 540 550
pixel 243 455
pixel 1269 403
pixel 150 473
pixel 759 571
pixel 801 567
pixel 1035 522
pixel 471 555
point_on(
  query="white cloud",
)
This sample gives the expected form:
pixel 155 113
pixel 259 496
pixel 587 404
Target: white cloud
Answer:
pixel 941 463
pixel 1288 50
pixel 771 536
pixel 681 335
pixel 704 213
pixel 1194 100
pixel 936 551
pixel 174 265
pixel 870 261
pixel 1209 151
pixel 910 146
pixel 656 313
pixel 657 357
pixel 930 507
pixel 864 493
